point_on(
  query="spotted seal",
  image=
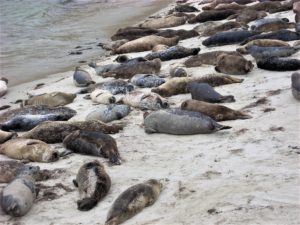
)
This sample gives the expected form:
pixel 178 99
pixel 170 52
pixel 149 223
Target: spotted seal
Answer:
pixel 259 52
pixel 175 52
pixel 262 43
pixel 147 80
pixel 177 72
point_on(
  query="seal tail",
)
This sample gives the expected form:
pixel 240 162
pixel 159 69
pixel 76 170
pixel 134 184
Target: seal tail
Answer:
pixel 86 204
pixel 243 116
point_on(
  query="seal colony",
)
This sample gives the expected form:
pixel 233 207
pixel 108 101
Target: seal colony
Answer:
pixel 175 75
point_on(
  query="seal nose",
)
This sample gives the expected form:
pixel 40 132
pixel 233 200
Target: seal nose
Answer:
pixel 115 160
pixel 54 157
pixel 112 99
pixel 130 88
pixel 165 105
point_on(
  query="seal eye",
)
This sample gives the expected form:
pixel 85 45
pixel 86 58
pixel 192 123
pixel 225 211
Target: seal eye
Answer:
pixel 55 156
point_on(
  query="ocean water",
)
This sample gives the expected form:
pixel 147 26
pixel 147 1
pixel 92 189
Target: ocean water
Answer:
pixel 37 36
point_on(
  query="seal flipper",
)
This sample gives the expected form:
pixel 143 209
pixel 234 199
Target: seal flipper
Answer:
pixel 113 221
pixel 86 204
pixel 75 183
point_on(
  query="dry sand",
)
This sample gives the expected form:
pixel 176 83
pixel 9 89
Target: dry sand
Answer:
pixel 246 175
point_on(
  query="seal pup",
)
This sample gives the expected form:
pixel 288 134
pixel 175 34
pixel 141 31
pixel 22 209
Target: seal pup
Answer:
pixel 175 52
pixel 52 99
pixel 93 143
pixel 56 131
pixel 102 97
pixel 132 33
pixel 204 92
pixel 231 64
pixel 296 85
pixel 180 122
pixel 19 195
pixel 133 200
pixel 145 101
pixel 115 87
pixel 4 136
pixel 108 113
pixel 278 64
pixel 93 184
pixel 29 149
pixel 3 86
pixel 82 78
pixel 145 44
pixel 212 15
pixel 215 111
pixel 164 22
pixel 262 43
pixel 259 52
pixel 147 80
pixel 177 72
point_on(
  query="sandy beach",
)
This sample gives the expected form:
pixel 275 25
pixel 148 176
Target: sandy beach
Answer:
pixel 246 175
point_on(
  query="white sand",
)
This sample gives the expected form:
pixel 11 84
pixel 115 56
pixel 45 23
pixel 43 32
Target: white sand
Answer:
pixel 246 175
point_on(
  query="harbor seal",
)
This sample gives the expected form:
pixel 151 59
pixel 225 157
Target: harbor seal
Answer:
pixel 147 80
pixel 206 25
pixel 93 143
pixel 115 87
pixel 3 86
pixel 212 15
pixel 204 92
pixel 177 72
pixel 231 64
pixel 82 78
pixel 264 21
pixel 215 111
pixel 19 195
pixel 52 99
pixel 164 22
pixel 93 185
pixel 186 8
pixel 133 200
pixel 28 117
pixel 220 28
pixel 145 101
pixel 296 10
pixel 145 44
pixel 56 131
pixel 29 149
pixel 132 33
pixel 108 113
pixel 175 52
pixel 102 97
pixel 247 15
pixel 266 6
pixel 259 52
pixel 181 33
pixel 262 43
pixel 180 122
pixel 274 26
pixel 4 136
pixel 296 85
pixel 278 64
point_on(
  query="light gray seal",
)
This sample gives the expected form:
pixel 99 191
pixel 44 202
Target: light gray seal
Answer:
pixel 175 52
pixel 296 85
pixel 259 52
pixel 52 99
pixel 82 78
pixel 93 184
pixel 180 122
pixel 147 80
pixel 19 195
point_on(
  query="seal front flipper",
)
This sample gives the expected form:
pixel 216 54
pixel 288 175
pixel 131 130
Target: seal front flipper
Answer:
pixel 86 204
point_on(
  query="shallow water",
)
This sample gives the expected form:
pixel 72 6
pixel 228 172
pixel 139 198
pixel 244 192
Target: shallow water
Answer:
pixel 36 37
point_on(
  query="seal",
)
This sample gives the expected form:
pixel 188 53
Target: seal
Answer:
pixel 220 28
pixel 112 46
pixel 102 97
pixel 264 21
pixel 212 15
pixel 175 52
pixel 228 38
pixel 180 122
pixel 145 44
pixel 207 58
pixel 215 3
pixel 296 10
pixel 113 86
pixel 29 149
pixel 125 58
pixel 181 33
pixel 247 15
pixel 82 78
pixel 296 85
pixel 56 131
pixel 262 43
pixel 232 5
pixel 93 184
pixel 108 113
pixel 206 25
pixel 28 117
pixel 147 80
pixel 215 111
pixel 274 26
pixel 52 99
pixel 259 52
pixel 204 92
pixel 145 101
pixel 266 6
pixel 177 72
pixel 3 86
pixel 133 200
pixel 19 195
pixel 93 143
pixel 132 33
pixel 278 64
pixel 186 8
pixel 235 65
pixel 4 136
pixel 164 22
pixel 178 85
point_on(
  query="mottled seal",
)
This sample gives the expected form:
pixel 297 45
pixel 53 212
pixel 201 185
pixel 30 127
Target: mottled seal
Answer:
pixel 133 200
pixel 29 149
pixel 147 80
pixel 115 87
pixel 265 6
pixel 132 33
pixel 145 44
pixel 232 64
pixel 82 78
pixel 296 85
pixel 108 113
pixel 177 72
pixel 102 97
pixel 3 86
pixel 178 85
pixel 93 184
pixel 164 22
pixel 206 25
pixel 52 99
pixel 204 92
pixel 30 116
pixel 220 28
pixel 274 26
pixel 262 43
pixel 145 101
pixel 209 58
pixel 56 131
pixel 93 143
pixel 278 64
pixel 181 33
pixel 212 15
pixel 215 111
pixel 247 15
pixel 264 21
pixel 259 52
pixel 4 136
pixel 175 52
pixel 180 122
pixel 19 195
pixel 186 8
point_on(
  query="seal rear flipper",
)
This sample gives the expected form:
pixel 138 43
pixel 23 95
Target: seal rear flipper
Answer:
pixel 113 221
pixel 86 204
pixel 75 183
pixel 227 98
pixel 223 127
pixel 243 116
